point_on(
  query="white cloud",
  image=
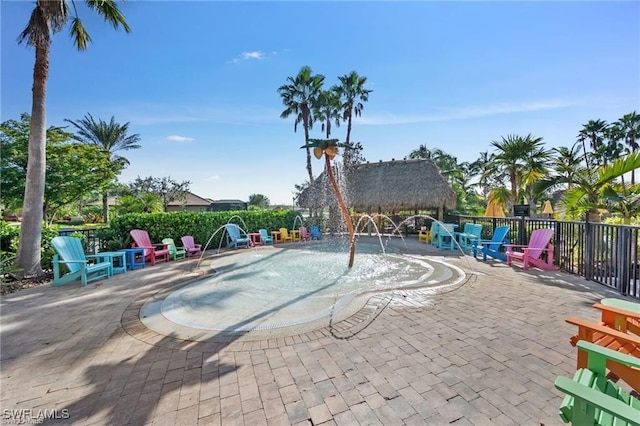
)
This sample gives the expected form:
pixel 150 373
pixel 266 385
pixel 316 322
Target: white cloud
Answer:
pixel 212 178
pixel 181 139
pixel 476 111
pixel 256 54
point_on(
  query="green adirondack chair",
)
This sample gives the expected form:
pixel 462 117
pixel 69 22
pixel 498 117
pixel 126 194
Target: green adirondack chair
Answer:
pixel 592 399
pixel 175 253
pixel 71 254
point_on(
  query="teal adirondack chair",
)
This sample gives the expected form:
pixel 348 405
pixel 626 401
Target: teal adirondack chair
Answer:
pixel 471 232
pixel 175 253
pixel 492 247
pixel 71 254
pixel 591 398
pixel 265 237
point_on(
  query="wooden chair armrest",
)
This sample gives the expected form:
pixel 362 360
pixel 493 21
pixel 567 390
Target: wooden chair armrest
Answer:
pixel 613 309
pixel 608 354
pixel 628 338
pixel 598 399
pixel 70 261
pixel 516 245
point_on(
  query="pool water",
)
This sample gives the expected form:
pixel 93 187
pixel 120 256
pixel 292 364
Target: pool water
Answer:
pixel 279 287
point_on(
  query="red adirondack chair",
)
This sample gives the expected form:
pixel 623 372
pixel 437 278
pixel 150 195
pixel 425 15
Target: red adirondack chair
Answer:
pixel 531 254
pixel 152 251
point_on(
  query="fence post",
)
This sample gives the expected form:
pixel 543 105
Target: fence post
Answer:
pixel 623 263
pixel 522 234
pixel 588 248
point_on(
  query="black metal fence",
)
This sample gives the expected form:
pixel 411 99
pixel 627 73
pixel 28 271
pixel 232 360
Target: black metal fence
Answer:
pixel 606 254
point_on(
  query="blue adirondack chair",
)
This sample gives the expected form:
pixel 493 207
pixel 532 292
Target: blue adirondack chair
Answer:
pixel 264 235
pixel 446 239
pixel 315 232
pixel 492 247
pixel 71 254
pixel 235 238
pixel 435 228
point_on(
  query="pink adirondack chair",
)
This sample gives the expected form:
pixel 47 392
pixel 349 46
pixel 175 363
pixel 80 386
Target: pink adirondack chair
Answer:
pixel 191 246
pixel 152 251
pixel 304 233
pixel 532 253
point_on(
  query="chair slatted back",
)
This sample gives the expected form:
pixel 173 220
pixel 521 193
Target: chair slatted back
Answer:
pixel 69 248
pixel 538 241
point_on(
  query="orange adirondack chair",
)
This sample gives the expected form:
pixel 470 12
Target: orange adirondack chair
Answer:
pixel 152 251
pixel 191 246
pixel 531 254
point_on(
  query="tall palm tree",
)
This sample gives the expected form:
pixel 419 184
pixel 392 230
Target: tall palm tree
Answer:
pixel 566 162
pixel 519 156
pixel 628 127
pixel 47 18
pixel 298 96
pixel 110 137
pixel 594 132
pixel 353 92
pixel 328 109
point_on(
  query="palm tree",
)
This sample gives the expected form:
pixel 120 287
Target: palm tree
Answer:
pixel 594 132
pixel 47 18
pixel 298 97
pixel 329 148
pixel 588 189
pixel 110 137
pixel 566 162
pixel 328 109
pixel 628 127
pixel 352 90
pixel 521 158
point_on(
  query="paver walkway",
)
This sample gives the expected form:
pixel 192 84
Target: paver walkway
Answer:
pixel 484 353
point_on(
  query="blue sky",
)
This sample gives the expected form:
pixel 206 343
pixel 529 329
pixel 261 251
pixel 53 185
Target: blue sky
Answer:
pixel 198 80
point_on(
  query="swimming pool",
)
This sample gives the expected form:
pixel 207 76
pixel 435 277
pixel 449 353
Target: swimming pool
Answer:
pixel 270 288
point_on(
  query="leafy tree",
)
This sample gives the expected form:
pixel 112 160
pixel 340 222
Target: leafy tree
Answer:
pixel 47 18
pixel 73 169
pixel 258 201
pixel 353 92
pixel 298 97
pixel 111 137
pixel 166 188
pixel 143 202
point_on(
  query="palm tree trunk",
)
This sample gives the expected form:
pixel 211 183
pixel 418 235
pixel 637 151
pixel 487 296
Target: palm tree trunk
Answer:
pixel 345 157
pixel 28 255
pixel 305 119
pixel 343 208
pixel 105 206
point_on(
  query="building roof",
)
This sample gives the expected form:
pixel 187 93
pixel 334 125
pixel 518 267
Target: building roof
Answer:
pixel 191 200
pixel 388 186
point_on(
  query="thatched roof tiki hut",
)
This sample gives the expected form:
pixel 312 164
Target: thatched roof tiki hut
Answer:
pixel 384 187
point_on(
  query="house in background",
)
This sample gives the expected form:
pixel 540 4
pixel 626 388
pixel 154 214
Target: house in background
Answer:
pixel 226 205
pixel 192 203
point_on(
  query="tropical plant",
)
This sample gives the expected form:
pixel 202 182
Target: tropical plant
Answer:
pixel 111 137
pixel 47 18
pixel 258 201
pixel 628 129
pixel 329 149
pixel 522 159
pixel 298 97
pixel 353 93
pixel 588 189
pixel 328 109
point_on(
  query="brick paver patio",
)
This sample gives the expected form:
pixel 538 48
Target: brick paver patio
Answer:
pixel 485 352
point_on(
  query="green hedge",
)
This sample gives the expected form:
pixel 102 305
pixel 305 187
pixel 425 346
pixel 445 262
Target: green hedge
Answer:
pixel 200 225
pixel 10 235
